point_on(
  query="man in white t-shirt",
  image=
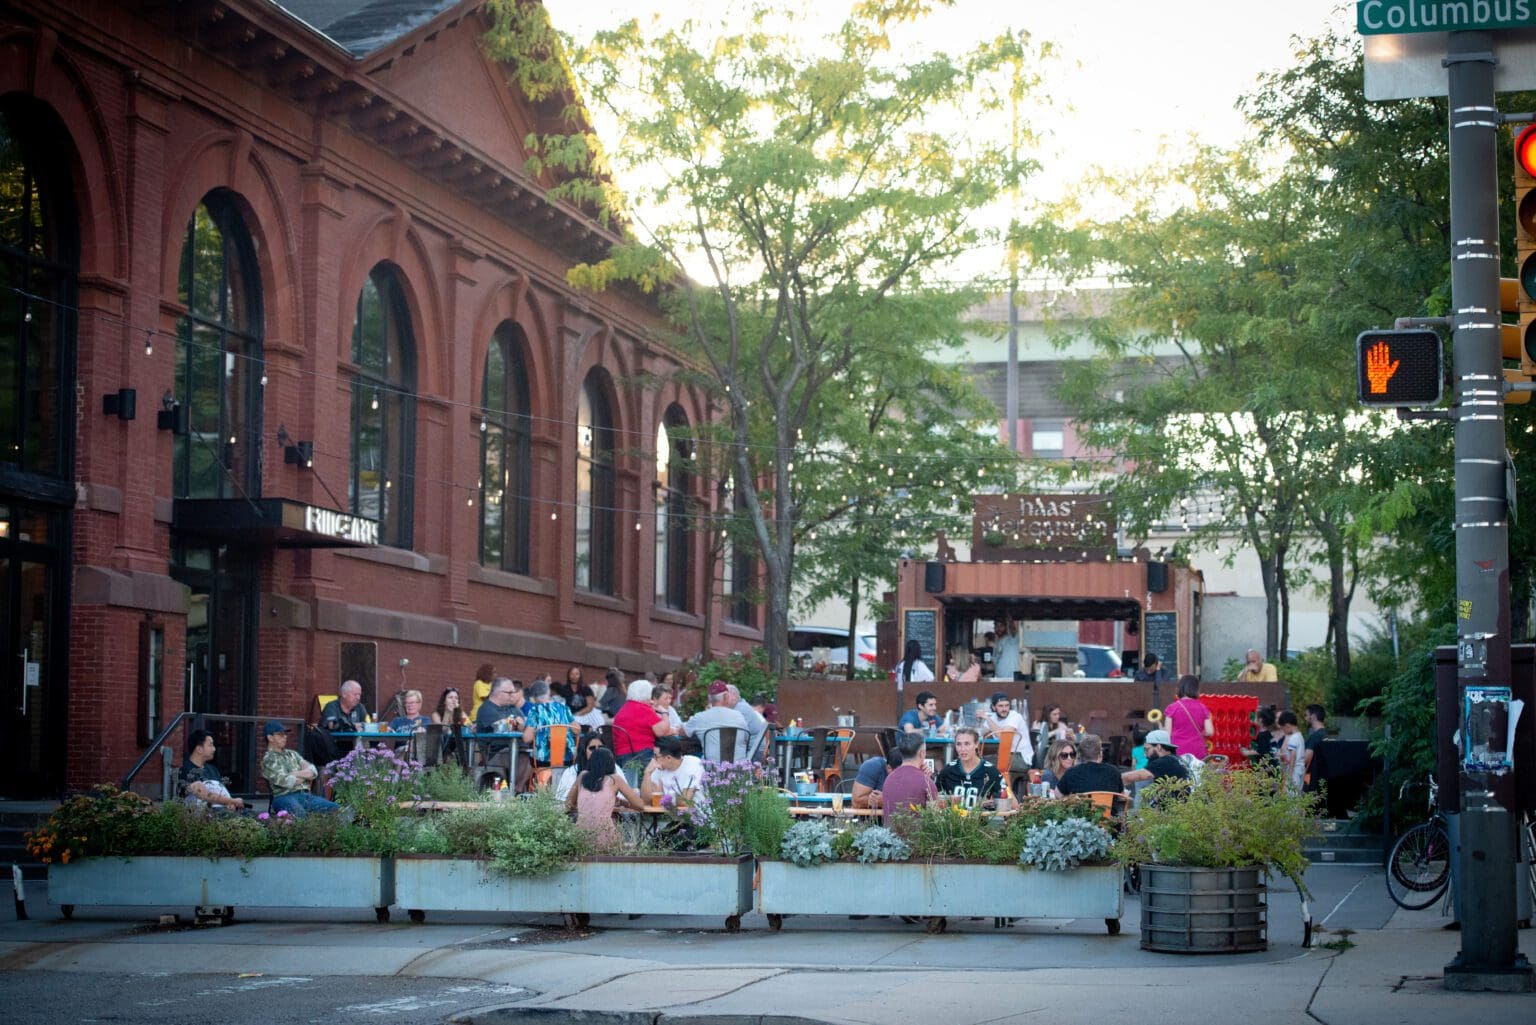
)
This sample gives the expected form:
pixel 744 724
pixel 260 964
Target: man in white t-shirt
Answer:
pixel 1003 716
pixel 670 772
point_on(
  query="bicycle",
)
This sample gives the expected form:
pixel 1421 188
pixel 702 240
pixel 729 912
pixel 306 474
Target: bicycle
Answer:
pixel 1419 867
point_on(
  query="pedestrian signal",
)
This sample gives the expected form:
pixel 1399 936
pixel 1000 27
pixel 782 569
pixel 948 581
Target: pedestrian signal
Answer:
pixel 1400 368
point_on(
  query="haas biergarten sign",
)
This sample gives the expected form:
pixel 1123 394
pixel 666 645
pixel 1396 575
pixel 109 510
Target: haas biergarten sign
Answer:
pixel 1036 523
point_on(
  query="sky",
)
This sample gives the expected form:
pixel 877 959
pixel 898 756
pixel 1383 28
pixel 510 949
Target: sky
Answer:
pixel 1132 72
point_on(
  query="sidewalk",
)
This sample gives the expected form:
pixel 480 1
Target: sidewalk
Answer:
pixel 875 971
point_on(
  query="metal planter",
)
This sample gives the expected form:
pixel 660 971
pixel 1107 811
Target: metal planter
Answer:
pixel 1187 910
pixel 215 886
pixel 937 890
pixel 675 885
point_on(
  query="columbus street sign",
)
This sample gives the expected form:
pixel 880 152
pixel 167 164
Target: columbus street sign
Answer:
pixel 1383 17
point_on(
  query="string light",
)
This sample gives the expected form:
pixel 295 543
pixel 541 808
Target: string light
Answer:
pixel 149 342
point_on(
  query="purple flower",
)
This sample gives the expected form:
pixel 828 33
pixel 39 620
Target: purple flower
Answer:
pixel 263 816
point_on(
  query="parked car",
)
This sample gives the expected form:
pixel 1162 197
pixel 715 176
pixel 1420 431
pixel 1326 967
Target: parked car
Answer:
pixel 804 640
pixel 1098 661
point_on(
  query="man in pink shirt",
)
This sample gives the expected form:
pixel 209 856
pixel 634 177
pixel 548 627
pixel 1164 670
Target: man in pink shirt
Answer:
pixel 908 786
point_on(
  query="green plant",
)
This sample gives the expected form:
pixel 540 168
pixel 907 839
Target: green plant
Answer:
pixel 946 832
pixel 1064 844
pixel 100 822
pixel 424 836
pixel 747 670
pixel 843 843
pixel 719 815
pixel 535 837
pixel 807 844
pixel 1224 820
pixel 374 782
pixel 448 782
pixel 880 844
pixel 765 818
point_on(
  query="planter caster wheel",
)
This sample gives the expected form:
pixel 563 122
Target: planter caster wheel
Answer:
pixel 775 922
pixel 67 910
pixel 733 924
pixel 1112 926
pixel 577 920
pixel 936 924
pixel 417 915
pixel 381 915
pixel 229 916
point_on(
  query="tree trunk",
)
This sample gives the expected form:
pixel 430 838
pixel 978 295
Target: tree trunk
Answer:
pixel 1283 585
pixel 853 628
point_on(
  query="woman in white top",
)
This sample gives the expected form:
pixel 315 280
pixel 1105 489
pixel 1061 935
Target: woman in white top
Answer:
pixel 912 669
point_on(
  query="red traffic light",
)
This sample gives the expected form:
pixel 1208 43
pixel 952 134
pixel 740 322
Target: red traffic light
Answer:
pixel 1525 150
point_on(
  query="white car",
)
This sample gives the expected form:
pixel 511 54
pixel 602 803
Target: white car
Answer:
pixel 804 640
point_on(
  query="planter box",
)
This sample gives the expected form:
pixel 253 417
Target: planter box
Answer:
pixel 676 885
pixel 1202 910
pixel 936 890
pixel 223 883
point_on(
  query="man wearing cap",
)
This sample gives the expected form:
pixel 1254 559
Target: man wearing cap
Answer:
pixel 708 723
pixel 1162 761
pixel 290 776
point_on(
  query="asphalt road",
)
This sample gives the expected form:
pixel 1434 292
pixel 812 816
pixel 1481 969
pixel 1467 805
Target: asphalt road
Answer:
pixel 166 998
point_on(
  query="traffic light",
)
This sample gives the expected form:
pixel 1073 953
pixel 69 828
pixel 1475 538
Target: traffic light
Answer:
pixel 1511 345
pixel 1525 246
pixel 1400 368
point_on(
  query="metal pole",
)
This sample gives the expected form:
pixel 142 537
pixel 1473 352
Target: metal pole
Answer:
pixel 1489 958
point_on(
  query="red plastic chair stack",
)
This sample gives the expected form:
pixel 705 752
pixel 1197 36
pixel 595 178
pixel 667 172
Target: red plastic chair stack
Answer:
pixel 1232 715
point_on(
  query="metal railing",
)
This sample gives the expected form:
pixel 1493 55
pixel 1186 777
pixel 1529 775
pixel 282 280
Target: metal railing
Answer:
pixel 189 721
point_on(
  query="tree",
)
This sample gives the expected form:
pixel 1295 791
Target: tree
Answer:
pixel 810 197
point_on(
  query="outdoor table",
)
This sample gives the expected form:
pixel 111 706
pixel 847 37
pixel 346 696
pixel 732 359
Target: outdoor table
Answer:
pixel 784 749
pixel 849 811
pixel 514 739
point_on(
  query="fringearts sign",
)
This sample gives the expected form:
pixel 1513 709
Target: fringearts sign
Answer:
pixel 1042 521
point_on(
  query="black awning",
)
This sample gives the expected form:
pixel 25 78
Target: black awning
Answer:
pixel 1043 607
pixel 272 523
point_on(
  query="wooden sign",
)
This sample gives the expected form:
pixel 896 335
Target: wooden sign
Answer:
pixel 1041 521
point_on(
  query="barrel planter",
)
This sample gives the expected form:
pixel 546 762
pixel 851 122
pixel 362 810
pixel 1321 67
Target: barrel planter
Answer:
pixel 678 884
pixel 214 887
pixel 936 890
pixel 1186 910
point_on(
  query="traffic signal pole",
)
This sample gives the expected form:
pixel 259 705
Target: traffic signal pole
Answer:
pixel 1489 958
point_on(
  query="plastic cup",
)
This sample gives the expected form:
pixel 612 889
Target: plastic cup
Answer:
pixel 837 803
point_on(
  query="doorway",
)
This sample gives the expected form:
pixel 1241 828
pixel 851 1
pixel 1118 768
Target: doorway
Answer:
pixel 219 674
pixel 33 679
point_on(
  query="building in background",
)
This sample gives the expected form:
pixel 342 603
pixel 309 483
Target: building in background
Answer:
pixel 293 387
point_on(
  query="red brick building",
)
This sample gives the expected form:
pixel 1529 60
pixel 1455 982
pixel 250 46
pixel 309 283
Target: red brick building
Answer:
pixel 292 388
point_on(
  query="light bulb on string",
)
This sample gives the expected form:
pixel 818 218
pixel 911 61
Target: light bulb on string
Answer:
pixel 149 342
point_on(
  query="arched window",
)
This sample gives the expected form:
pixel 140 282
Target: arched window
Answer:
pixel 674 482
pixel 39 254
pixel 594 488
pixel 382 475
pixel 218 356
pixel 504 458
pixel 738 563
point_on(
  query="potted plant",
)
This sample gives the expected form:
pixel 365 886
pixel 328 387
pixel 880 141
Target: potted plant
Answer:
pixel 1051 860
pixel 114 848
pixel 1203 849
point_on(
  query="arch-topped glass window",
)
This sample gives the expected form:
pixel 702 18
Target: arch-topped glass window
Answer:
pixel 382 477
pixel 504 457
pixel 594 488
pixel 39 256
pixel 738 563
pixel 218 355
pixel 674 482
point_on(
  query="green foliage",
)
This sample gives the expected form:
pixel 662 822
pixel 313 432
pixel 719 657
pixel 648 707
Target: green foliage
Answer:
pixel 719 815
pixel 535 837
pixel 100 822
pixel 1056 846
pixel 374 782
pixel 447 782
pixel 808 843
pixel 1225 820
pixel 748 670
pixel 1407 705
pixel 1311 678
pixel 765 818
pixel 844 843
pixel 877 844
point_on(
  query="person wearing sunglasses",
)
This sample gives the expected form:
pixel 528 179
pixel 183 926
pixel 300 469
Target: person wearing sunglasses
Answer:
pixel 1060 757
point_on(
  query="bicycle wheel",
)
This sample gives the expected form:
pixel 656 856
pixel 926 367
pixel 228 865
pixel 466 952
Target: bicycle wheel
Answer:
pixel 1419 867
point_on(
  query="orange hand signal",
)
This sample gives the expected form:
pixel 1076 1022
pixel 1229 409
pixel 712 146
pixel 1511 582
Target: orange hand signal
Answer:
pixel 1378 369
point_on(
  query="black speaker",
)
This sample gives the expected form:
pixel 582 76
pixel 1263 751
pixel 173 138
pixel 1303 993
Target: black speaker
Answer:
pixel 1157 577
pixel 933 578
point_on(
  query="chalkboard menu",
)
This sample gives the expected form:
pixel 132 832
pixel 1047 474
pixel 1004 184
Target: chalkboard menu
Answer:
pixel 1160 635
pixel 921 625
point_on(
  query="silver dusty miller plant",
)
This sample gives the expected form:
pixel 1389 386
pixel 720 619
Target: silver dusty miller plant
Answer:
pixel 1054 846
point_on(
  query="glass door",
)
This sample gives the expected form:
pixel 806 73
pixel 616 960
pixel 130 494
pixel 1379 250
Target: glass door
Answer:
pixel 219 674
pixel 33 742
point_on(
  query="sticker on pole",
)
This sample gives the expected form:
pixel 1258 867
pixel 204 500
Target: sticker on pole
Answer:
pixel 1489 719
pixel 1400 368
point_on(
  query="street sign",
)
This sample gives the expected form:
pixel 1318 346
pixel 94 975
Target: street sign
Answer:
pixel 1403 67
pixel 1400 368
pixel 1382 17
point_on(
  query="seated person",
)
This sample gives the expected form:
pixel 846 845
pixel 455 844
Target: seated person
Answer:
pixel 411 719
pixel 1061 756
pixel 290 776
pixel 670 772
pixel 1090 773
pixel 498 714
pixel 346 714
pixel 590 741
pixel 720 713
pixel 871 777
pixel 1002 716
pixel 597 793
pixel 1161 761
pixel 971 781
pixel 908 786
pixel 201 784
pixel 923 716
pixel 541 710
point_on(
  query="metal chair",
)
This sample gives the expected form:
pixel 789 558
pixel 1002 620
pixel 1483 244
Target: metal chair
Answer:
pixel 830 769
pixel 560 736
pixel 716 740
pixel 845 786
pixel 888 737
pixel 427 748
